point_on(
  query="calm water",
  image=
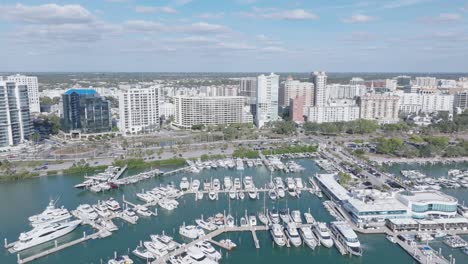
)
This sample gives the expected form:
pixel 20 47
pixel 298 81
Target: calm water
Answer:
pixel 20 200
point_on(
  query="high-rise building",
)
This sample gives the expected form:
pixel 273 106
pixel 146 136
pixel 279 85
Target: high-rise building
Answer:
pixel 425 102
pixel 426 82
pixel 293 88
pixel 267 99
pixel 85 111
pixel 166 110
pixel 15 119
pixel 248 88
pixel 357 81
pixel 460 103
pixel 342 110
pixel 33 90
pixel 296 109
pixel 210 110
pixel 344 91
pixel 391 84
pixel 139 110
pixel 380 107
pixel 320 83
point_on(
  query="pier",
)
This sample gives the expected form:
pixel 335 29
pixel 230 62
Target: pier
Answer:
pixel 422 253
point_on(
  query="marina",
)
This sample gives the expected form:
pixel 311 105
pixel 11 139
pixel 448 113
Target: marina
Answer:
pixel 244 240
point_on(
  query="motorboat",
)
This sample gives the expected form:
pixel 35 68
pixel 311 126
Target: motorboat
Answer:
pixel 248 184
pixel 124 259
pixel 218 219
pixel 241 195
pixel 85 184
pixel 291 187
pixel 272 194
pixel 323 234
pixel 130 214
pixel 292 234
pixel 213 195
pixel 143 210
pixel 230 221
pixel 232 194
pixel 44 233
pixel 216 185
pixel 263 218
pixel 189 231
pixel 168 204
pixel 208 250
pixel 112 204
pixel 209 226
pixel 143 253
pixel 147 197
pixel 299 184
pixel 237 184
pixel 252 220
pixel 102 210
pixel 228 243
pixel 200 195
pixel 243 221
pixel 227 183
pixel 107 224
pixel 284 215
pixel 274 216
pixel 296 216
pixel 168 241
pixel 239 164
pixel 280 191
pixel 195 185
pixel 308 237
pixel 206 185
pixel 50 215
pixel 346 235
pixel 157 249
pixel 85 211
pixel 253 193
pixel 277 234
pixel 195 255
pixel 309 218
pixel 184 184
pixel 465 250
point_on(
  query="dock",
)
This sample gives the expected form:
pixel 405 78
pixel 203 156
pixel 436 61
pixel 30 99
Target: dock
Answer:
pixel 422 254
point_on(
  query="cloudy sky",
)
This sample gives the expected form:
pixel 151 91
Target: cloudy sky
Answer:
pixel 234 35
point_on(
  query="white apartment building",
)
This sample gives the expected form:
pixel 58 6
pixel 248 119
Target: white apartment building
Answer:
pixel 166 109
pixel 391 84
pixel 344 91
pixel 267 99
pixel 320 83
pixel 210 110
pixel 460 103
pixel 342 110
pixel 426 82
pixel 357 81
pixel 425 102
pixel 139 110
pixel 15 118
pixel 52 93
pixel 248 88
pixel 380 107
pixel 293 88
pixel 33 90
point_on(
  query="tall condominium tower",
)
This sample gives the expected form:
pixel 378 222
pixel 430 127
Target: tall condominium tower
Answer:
pixel 320 82
pixel 33 90
pixel 267 99
pixel 139 110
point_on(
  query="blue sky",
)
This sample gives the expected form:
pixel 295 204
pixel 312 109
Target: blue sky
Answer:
pixel 236 35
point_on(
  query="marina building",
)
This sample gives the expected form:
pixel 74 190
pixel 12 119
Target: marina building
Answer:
pixel 33 90
pixel 15 119
pixel 85 111
pixel 215 110
pixel 424 204
pixel 380 107
pixel 408 224
pixel 294 88
pixel 139 110
pixel 267 99
pixel 331 188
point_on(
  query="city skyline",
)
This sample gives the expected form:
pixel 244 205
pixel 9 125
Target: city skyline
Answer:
pixel 235 36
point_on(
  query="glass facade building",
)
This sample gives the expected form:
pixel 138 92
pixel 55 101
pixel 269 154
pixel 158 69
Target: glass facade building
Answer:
pixel 86 111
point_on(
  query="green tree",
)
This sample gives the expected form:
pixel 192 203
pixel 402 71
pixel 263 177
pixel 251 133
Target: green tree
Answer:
pixel 284 127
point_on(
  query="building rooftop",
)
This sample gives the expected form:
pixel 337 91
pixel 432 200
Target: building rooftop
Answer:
pixel 428 197
pixel 81 91
pixel 377 205
pixel 328 180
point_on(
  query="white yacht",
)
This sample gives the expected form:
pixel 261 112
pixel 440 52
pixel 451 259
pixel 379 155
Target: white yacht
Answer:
pixel 253 193
pixel 252 220
pixel 272 194
pixel 184 184
pixel 227 183
pixel 209 250
pixel 44 234
pixel 168 204
pixel 230 220
pixel 143 253
pixel 168 241
pixel 189 231
pixel 195 255
pixel 107 224
pixel 241 195
pixel 112 204
pixel 200 195
pixel 216 185
pixel 323 234
pixel 237 184
pixel 280 191
pixel 296 216
pixel 277 234
pixel 284 215
pixel 299 183
pixel 292 234
pixel 209 226
pixel 232 194
pixel 85 211
pixel 274 216
pixel 121 260
pixel 309 218
pixel 213 195
pixel 239 164
pixel 263 218
pixel 50 215
pixel 345 234
pixel 147 197
pixel 248 184
pixel 195 185
pixel 308 236
pixel 143 210
pixel 157 249
pixel 102 210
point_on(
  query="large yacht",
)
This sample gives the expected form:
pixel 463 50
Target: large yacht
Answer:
pixel 50 215
pixel 278 234
pixel 274 216
pixel 44 234
pixel 87 212
pixel 121 260
pixel 195 255
pixel 308 236
pixel 323 234
pixel 345 234
pixel 209 250
pixel 292 234
pixel 227 183
pixel 184 184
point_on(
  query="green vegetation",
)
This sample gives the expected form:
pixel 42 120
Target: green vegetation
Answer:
pixel 360 126
pixel 83 169
pixel 206 157
pixel 198 127
pixel 284 127
pixel 290 149
pixel 245 153
pixel 389 146
pixel 141 164
pixel 445 125
pixel 345 178
pixel 238 131
pixel 15 176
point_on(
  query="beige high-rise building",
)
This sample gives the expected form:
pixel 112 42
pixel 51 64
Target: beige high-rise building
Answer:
pixel 294 88
pixel 380 107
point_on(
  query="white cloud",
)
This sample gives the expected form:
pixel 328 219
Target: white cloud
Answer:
pixel 443 17
pixel 273 49
pixel 155 9
pixel 211 15
pixel 153 26
pixel 273 13
pixel 182 2
pixel 358 18
pixel 144 26
pixel 202 27
pixel 403 3
pixel 46 14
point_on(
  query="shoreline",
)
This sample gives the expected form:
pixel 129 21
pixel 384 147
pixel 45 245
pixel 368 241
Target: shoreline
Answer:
pixel 434 160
